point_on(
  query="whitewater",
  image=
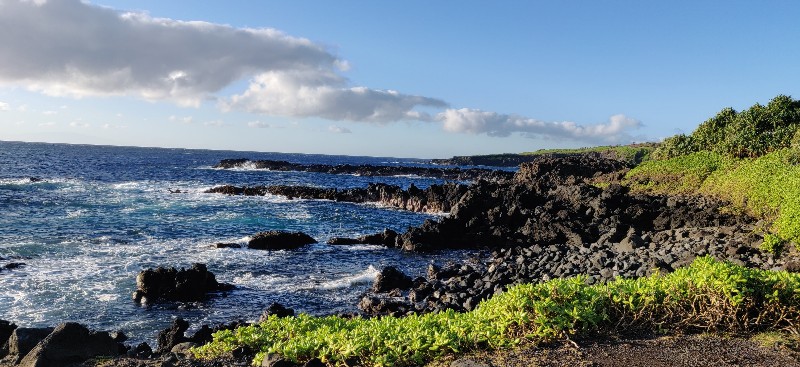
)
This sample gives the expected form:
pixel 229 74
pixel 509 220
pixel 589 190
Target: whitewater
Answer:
pixel 84 220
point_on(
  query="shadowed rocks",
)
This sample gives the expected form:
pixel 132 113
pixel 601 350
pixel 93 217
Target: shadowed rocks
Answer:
pixel 369 170
pixel 184 285
pixel 279 240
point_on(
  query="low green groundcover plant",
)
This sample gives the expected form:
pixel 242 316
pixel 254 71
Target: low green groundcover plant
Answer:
pixel 708 295
pixel 767 187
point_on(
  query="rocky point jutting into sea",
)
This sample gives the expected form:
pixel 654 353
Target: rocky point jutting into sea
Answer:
pixel 555 217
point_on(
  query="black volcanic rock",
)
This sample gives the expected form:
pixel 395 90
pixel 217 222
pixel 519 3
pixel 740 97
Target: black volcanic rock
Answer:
pixel 370 170
pixel 279 240
pixel 434 199
pixel 69 343
pixel 184 285
pixel 391 278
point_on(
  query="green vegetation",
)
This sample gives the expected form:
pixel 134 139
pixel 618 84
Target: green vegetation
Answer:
pixel 749 158
pixel 680 175
pixel 634 153
pixel 706 296
pixel 747 134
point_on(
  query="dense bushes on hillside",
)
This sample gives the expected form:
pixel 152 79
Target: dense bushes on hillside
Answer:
pixel 746 134
pixel 750 158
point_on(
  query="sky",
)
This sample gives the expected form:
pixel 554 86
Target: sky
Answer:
pixel 412 78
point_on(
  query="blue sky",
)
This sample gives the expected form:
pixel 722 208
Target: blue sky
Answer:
pixel 406 78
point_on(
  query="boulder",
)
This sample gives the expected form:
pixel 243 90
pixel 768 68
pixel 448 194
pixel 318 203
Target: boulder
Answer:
pixel 172 336
pixel 277 309
pixel 141 351
pixel 169 284
pixel 390 278
pixel 6 329
pixel 343 241
pixel 70 343
pixel 279 240
pixel 22 340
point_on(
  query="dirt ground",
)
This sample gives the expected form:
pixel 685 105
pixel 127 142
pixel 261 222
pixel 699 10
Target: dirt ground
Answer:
pixel 768 350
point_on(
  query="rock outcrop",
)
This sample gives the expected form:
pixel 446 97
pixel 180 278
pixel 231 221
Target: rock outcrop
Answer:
pixel 184 285
pixel 279 240
pixel 369 170
pixel 434 199
pixel 70 343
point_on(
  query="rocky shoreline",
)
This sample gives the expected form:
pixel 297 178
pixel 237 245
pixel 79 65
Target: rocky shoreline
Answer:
pixel 557 216
pixel 456 173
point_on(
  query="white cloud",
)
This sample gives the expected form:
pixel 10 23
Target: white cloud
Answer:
pixel 259 125
pixel 185 120
pixel 4 106
pixel 49 113
pixel 47 124
pixel 22 108
pixel 70 47
pixel 324 93
pixel 80 124
pixel 616 130
pixel 339 130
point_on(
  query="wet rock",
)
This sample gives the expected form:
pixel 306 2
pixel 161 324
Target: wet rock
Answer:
pixel 391 278
pixel 227 245
pixel 279 240
pixel 12 266
pixel 69 343
pixel 368 170
pixel 184 285
pixel 342 241
pixel 278 310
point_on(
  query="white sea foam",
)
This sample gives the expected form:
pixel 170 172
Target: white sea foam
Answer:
pixel 75 213
pixel 365 276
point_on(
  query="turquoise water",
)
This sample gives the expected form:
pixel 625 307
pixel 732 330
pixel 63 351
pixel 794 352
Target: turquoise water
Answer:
pixel 101 214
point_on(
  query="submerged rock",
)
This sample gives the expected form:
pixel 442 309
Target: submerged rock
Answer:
pixel 184 285
pixel 280 240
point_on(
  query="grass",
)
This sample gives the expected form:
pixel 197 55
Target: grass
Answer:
pixel 766 187
pixel 708 295
pixel 635 153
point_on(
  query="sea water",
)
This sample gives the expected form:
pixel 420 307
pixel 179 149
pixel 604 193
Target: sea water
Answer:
pixel 86 219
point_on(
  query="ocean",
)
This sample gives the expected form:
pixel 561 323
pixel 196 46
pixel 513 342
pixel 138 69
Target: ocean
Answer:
pixel 86 219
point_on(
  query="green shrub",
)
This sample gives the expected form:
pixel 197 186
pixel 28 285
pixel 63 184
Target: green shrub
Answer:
pixel 708 295
pixel 767 187
pixel 675 146
pixel 747 134
pixel 678 175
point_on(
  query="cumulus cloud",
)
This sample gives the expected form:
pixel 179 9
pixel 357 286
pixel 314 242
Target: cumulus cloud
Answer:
pixel 69 47
pixel 339 130
pixel 4 106
pixel 324 93
pixel 616 130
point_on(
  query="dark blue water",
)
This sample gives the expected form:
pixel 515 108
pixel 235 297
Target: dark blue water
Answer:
pixel 101 214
